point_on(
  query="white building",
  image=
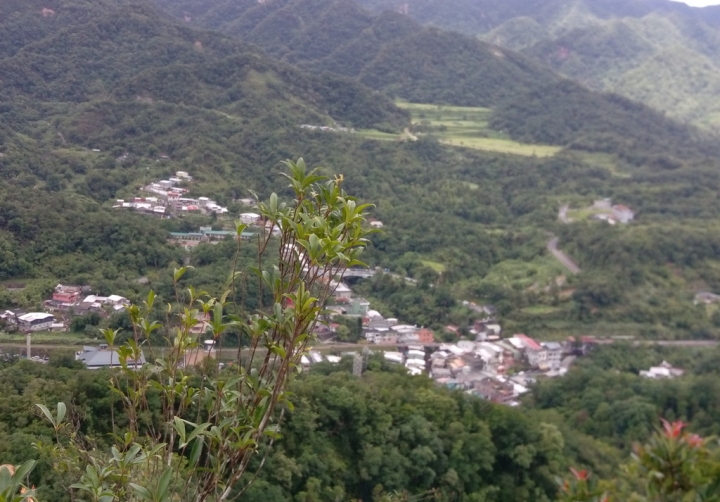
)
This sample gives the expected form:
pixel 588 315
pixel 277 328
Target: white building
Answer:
pixel 554 354
pixel 665 370
pixel 36 321
pixel 623 214
pixel 250 218
pixel 343 291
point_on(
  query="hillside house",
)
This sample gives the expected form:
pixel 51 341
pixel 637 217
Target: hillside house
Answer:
pixel 665 370
pixel 342 291
pixel 622 213
pixel 707 298
pixel 247 202
pixel 554 354
pixel 101 357
pixel 66 294
pixel 425 336
pixel 250 218
pixel 536 354
pixel 36 321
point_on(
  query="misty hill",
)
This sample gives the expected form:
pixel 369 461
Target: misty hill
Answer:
pixel 391 53
pixel 662 53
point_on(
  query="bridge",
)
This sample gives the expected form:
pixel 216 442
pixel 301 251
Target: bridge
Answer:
pixel 361 272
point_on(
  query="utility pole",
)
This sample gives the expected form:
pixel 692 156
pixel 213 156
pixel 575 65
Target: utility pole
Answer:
pixel 27 342
pixel 360 362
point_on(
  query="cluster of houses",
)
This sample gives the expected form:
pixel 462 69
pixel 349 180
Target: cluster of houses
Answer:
pixel 326 128
pixel 205 234
pixel 66 302
pixel 612 214
pixel 168 198
pixel 486 368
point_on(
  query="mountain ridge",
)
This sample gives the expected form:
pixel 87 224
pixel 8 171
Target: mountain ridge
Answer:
pixel 595 42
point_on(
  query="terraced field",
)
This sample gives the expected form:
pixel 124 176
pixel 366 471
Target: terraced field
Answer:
pixel 461 126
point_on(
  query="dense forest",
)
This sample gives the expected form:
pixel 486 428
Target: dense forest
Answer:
pixel 384 433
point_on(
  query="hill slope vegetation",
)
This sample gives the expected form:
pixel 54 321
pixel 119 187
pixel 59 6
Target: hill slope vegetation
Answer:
pixel 662 53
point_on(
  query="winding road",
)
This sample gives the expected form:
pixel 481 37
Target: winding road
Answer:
pixel 567 262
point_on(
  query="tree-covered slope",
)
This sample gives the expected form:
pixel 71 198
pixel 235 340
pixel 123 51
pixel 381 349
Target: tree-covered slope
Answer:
pixel 608 45
pixel 155 96
pixel 390 53
pixel 132 52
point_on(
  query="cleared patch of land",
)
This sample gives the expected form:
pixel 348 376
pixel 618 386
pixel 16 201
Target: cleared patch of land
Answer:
pixel 603 160
pixel 461 126
pixel 540 309
pixel 436 266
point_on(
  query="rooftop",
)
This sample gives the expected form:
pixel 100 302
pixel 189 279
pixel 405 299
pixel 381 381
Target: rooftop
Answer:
pixel 36 316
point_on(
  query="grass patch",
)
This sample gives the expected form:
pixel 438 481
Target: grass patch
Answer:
pixel 467 127
pixel 503 146
pixel 540 309
pixel 47 338
pixel 436 266
pixel 603 160
pixel 536 275
pixel 379 135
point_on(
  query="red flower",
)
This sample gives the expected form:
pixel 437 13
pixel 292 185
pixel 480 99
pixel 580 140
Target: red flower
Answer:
pixel 580 475
pixel 694 440
pixel 673 430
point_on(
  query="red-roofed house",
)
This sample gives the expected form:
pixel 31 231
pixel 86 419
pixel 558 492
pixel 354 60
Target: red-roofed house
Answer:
pixel 528 342
pixel 66 294
pixel 535 353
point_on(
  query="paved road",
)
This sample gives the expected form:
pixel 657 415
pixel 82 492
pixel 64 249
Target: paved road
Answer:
pixel 562 257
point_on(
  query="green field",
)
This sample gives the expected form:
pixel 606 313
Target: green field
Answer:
pixel 602 160
pixel 461 126
pixel 540 309
pixel 436 266
pixel 48 338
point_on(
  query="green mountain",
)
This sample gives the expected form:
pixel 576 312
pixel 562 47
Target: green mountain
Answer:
pixel 614 46
pixel 390 53
pixel 91 111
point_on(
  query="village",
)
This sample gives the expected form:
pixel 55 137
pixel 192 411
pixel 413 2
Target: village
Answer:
pixel 168 199
pixel 487 363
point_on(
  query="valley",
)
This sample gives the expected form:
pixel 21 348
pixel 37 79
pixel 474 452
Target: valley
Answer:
pixel 519 219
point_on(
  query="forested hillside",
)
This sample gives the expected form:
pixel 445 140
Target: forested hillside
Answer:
pixel 661 53
pixel 94 110
pixel 391 53
pixel 388 434
pixel 347 439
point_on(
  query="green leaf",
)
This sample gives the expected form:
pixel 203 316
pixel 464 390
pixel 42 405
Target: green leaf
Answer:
pixel 179 426
pixel 47 413
pixel 195 452
pixel 24 469
pixel 141 491
pixel 164 483
pixel 61 410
